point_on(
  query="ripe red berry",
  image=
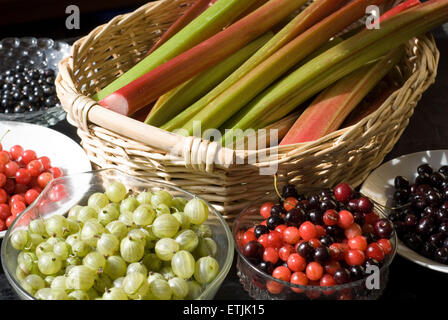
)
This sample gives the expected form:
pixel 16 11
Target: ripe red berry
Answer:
pixel 320 231
pixel 4 157
pixel 35 168
pixel 300 279
pixel 270 255
pixel 275 239
pixel 10 186
pixel 386 245
pixel 281 228
pixel 337 251
pixel 3 196
pixel 296 262
pixel 11 168
pixel 291 235
pixel 17 207
pixel 371 218
pixel 9 220
pixel 44 179
pixel 5 211
pixel 56 172
pixel 20 188
pixel 327 280
pixel 331 217
pixel 290 203
pixel 315 242
pixel 282 273
pixel 28 156
pixel 285 251
pixel 23 176
pixel 354 257
pixel 2 180
pixel 15 198
pixel 314 271
pixel 307 231
pixel 353 231
pixel 332 266
pixel 375 251
pixel 16 151
pixel 358 242
pixel 248 236
pixel 263 240
pixel 343 192
pixel 345 219
pixel 265 210
pixel 31 195
pixel 365 205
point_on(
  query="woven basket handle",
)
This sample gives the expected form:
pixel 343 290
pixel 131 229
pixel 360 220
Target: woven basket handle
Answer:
pixel 198 154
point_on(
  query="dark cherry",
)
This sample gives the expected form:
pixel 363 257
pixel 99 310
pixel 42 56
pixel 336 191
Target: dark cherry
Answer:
pixel 356 273
pixel 428 250
pixel 314 202
pixel 413 241
pixel 394 216
pixel 343 192
pixel 266 266
pixel 422 178
pixel 359 218
pixel 430 211
pixel 384 228
pixel 444 170
pixel 371 237
pixel 425 226
pixel 289 190
pixel 327 204
pixel 335 231
pixel 365 205
pixel 443 228
pixel 445 243
pixel 433 198
pixel 441 255
pixel 322 254
pixel 277 210
pixel 411 221
pixel 424 168
pixel 442 215
pixel 253 250
pixel 341 276
pixel 326 193
pixel 400 228
pixel 295 217
pixel 306 250
pixel 401 196
pixel 436 239
pixel 353 205
pixel 260 230
pixel 274 221
pixel 326 240
pixel 401 182
pixel 437 179
pixel 316 216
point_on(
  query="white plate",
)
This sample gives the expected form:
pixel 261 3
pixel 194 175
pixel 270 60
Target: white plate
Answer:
pixel 62 151
pixel 379 186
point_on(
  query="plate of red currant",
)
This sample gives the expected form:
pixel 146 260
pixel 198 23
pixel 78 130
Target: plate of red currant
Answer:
pixel 413 190
pixel 30 157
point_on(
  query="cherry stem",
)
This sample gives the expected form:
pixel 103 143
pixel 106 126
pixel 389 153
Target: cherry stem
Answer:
pixel 276 188
pixel 4 135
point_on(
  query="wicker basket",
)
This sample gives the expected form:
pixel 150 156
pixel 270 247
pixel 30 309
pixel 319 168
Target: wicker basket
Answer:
pixel 112 140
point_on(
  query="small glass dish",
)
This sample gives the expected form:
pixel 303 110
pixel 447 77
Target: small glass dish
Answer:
pixel 35 53
pixel 79 187
pixel 262 286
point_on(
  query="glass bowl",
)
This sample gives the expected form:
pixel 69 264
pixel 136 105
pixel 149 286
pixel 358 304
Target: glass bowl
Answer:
pixel 79 187
pixel 36 53
pixel 262 286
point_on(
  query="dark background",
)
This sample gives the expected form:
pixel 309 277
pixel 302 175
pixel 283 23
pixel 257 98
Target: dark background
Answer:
pixel 428 128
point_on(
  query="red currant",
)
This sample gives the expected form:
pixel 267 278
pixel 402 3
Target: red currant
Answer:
pixel 11 168
pixel 56 172
pixel 15 198
pixel 358 242
pixel 332 266
pixel 17 207
pixel 343 192
pixel 281 228
pixel 315 242
pixel 9 220
pixel 307 231
pixel 3 196
pixel 285 251
pixel 4 157
pixel 365 205
pixel 375 251
pixel 290 203
pixel 16 151
pixel 5 211
pixel 299 278
pixel 31 195
pixel 35 168
pixel 282 273
pixel 44 179
pixel 291 235
pixel 265 210
pixel 2 180
pixel 270 255
pixel 354 257
pixel 23 176
pixel 345 219
pixel 314 271
pixel 45 162
pixel 263 240
pixel 336 251
pixel 10 186
pixel 275 239
pixel 296 262
pixel 248 236
pixel 386 245
pixel 331 217
pixel 320 231
pixel 327 281
pixel 353 231
pixel 28 156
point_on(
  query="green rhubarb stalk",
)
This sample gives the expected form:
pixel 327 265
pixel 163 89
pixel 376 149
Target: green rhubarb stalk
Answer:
pixel 175 101
pixel 207 24
pixel 329 110
pixel 307 18
pixel 247 88
pixel 355 52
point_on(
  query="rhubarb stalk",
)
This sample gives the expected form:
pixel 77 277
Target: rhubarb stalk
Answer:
pixel 175 101
pixel 243 91
pixel 315 12
pixel 337 62
pixel 335 103
pixel 207 24
pixel 183 67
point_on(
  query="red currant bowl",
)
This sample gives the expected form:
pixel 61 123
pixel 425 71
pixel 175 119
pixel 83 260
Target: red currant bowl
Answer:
pixel 263 286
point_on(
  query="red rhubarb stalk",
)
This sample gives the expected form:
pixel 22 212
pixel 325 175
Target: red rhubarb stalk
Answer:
pixel 169 75
pixel 399 8
pixel 192 13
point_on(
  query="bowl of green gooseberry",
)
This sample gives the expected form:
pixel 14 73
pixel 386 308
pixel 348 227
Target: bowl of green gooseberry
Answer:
pixel 107 235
